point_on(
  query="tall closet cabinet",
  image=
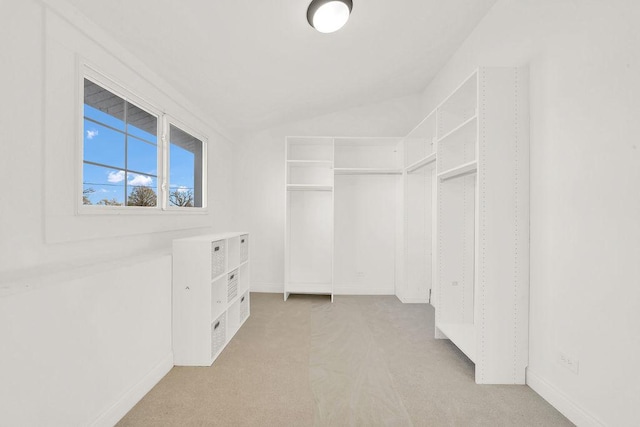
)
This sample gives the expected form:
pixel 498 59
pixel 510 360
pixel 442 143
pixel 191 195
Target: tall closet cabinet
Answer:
pixel 482 283
pixel 342 215
pixel 440 215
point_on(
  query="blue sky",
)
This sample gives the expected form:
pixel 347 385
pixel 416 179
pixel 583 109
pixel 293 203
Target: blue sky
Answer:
pixel 107 146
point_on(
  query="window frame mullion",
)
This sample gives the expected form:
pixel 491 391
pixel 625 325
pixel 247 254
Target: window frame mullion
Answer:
pixel 163 153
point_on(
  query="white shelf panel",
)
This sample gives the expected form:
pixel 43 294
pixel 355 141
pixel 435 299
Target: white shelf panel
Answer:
pixel 462 170
pixel 463 336
pixel 305 187
pixel 461 126
pixel 327 163
pixel 366 171
pixel 431 158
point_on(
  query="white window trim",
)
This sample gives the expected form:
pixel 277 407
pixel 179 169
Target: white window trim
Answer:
pixel 167 121
pixel 164 120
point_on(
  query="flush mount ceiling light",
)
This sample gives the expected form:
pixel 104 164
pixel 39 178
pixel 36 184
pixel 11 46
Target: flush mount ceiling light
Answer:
pixel 328 16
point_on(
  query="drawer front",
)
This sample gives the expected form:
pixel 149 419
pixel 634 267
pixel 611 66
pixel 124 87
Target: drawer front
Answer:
pixel 232 287
pixel 217 258
pixel 218 334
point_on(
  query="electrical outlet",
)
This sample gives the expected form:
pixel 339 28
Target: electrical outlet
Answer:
pixel 569 362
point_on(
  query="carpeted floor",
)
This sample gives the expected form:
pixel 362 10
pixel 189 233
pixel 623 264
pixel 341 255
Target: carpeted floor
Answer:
pixel 361 361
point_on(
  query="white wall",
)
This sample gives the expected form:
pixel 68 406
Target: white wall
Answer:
pixel 259 176
pixel 584 61
pixel 85 302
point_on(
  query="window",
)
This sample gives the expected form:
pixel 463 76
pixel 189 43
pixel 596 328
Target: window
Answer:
pixel 120 151
pixel 122 154
pixel 185 169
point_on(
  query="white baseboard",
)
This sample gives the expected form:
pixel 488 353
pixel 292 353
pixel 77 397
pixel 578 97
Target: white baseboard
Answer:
pixel 561 401
pixel 111 416
pixel 358 290
pixel 267 288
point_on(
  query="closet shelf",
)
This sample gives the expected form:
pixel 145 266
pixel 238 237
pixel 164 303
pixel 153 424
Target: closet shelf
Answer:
pixel 458 128
pixel 431 158
pixel 465 169
pixel 327 163
pixel 307 187
pixel 366 171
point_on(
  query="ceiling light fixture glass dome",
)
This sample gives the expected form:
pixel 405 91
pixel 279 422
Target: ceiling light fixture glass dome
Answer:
pixel 328 16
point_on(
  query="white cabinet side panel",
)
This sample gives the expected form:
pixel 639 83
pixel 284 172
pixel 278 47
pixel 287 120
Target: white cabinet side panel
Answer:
pixel 503 229
pixel 419 234
pixel 191 301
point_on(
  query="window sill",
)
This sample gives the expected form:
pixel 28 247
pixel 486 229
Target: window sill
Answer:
pixel 136 210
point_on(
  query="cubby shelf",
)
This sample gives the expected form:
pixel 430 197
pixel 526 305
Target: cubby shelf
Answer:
pixel 207 312
pixel 458 171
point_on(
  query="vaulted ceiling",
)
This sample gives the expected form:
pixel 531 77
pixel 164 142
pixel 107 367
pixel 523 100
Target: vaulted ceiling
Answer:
pixel 253 64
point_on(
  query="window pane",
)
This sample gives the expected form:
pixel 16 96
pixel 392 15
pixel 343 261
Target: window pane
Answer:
pixel 103 145
pixel 185 169
pixel 141 124
pixel 141 190
pixel 120 150
pixel 142 156
pixel 103 106
pixel 102 186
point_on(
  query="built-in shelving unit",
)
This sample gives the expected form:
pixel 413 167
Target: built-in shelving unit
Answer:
pixel 367 212
pixel 439 216
pixel 415 278
pixel 210 295
pixel 341 241
pixel 481 288
pixel 309 216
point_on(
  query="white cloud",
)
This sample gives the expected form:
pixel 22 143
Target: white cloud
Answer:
pixel 115 177
pixel 92 133
pixel 182 189
pixel 141 180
